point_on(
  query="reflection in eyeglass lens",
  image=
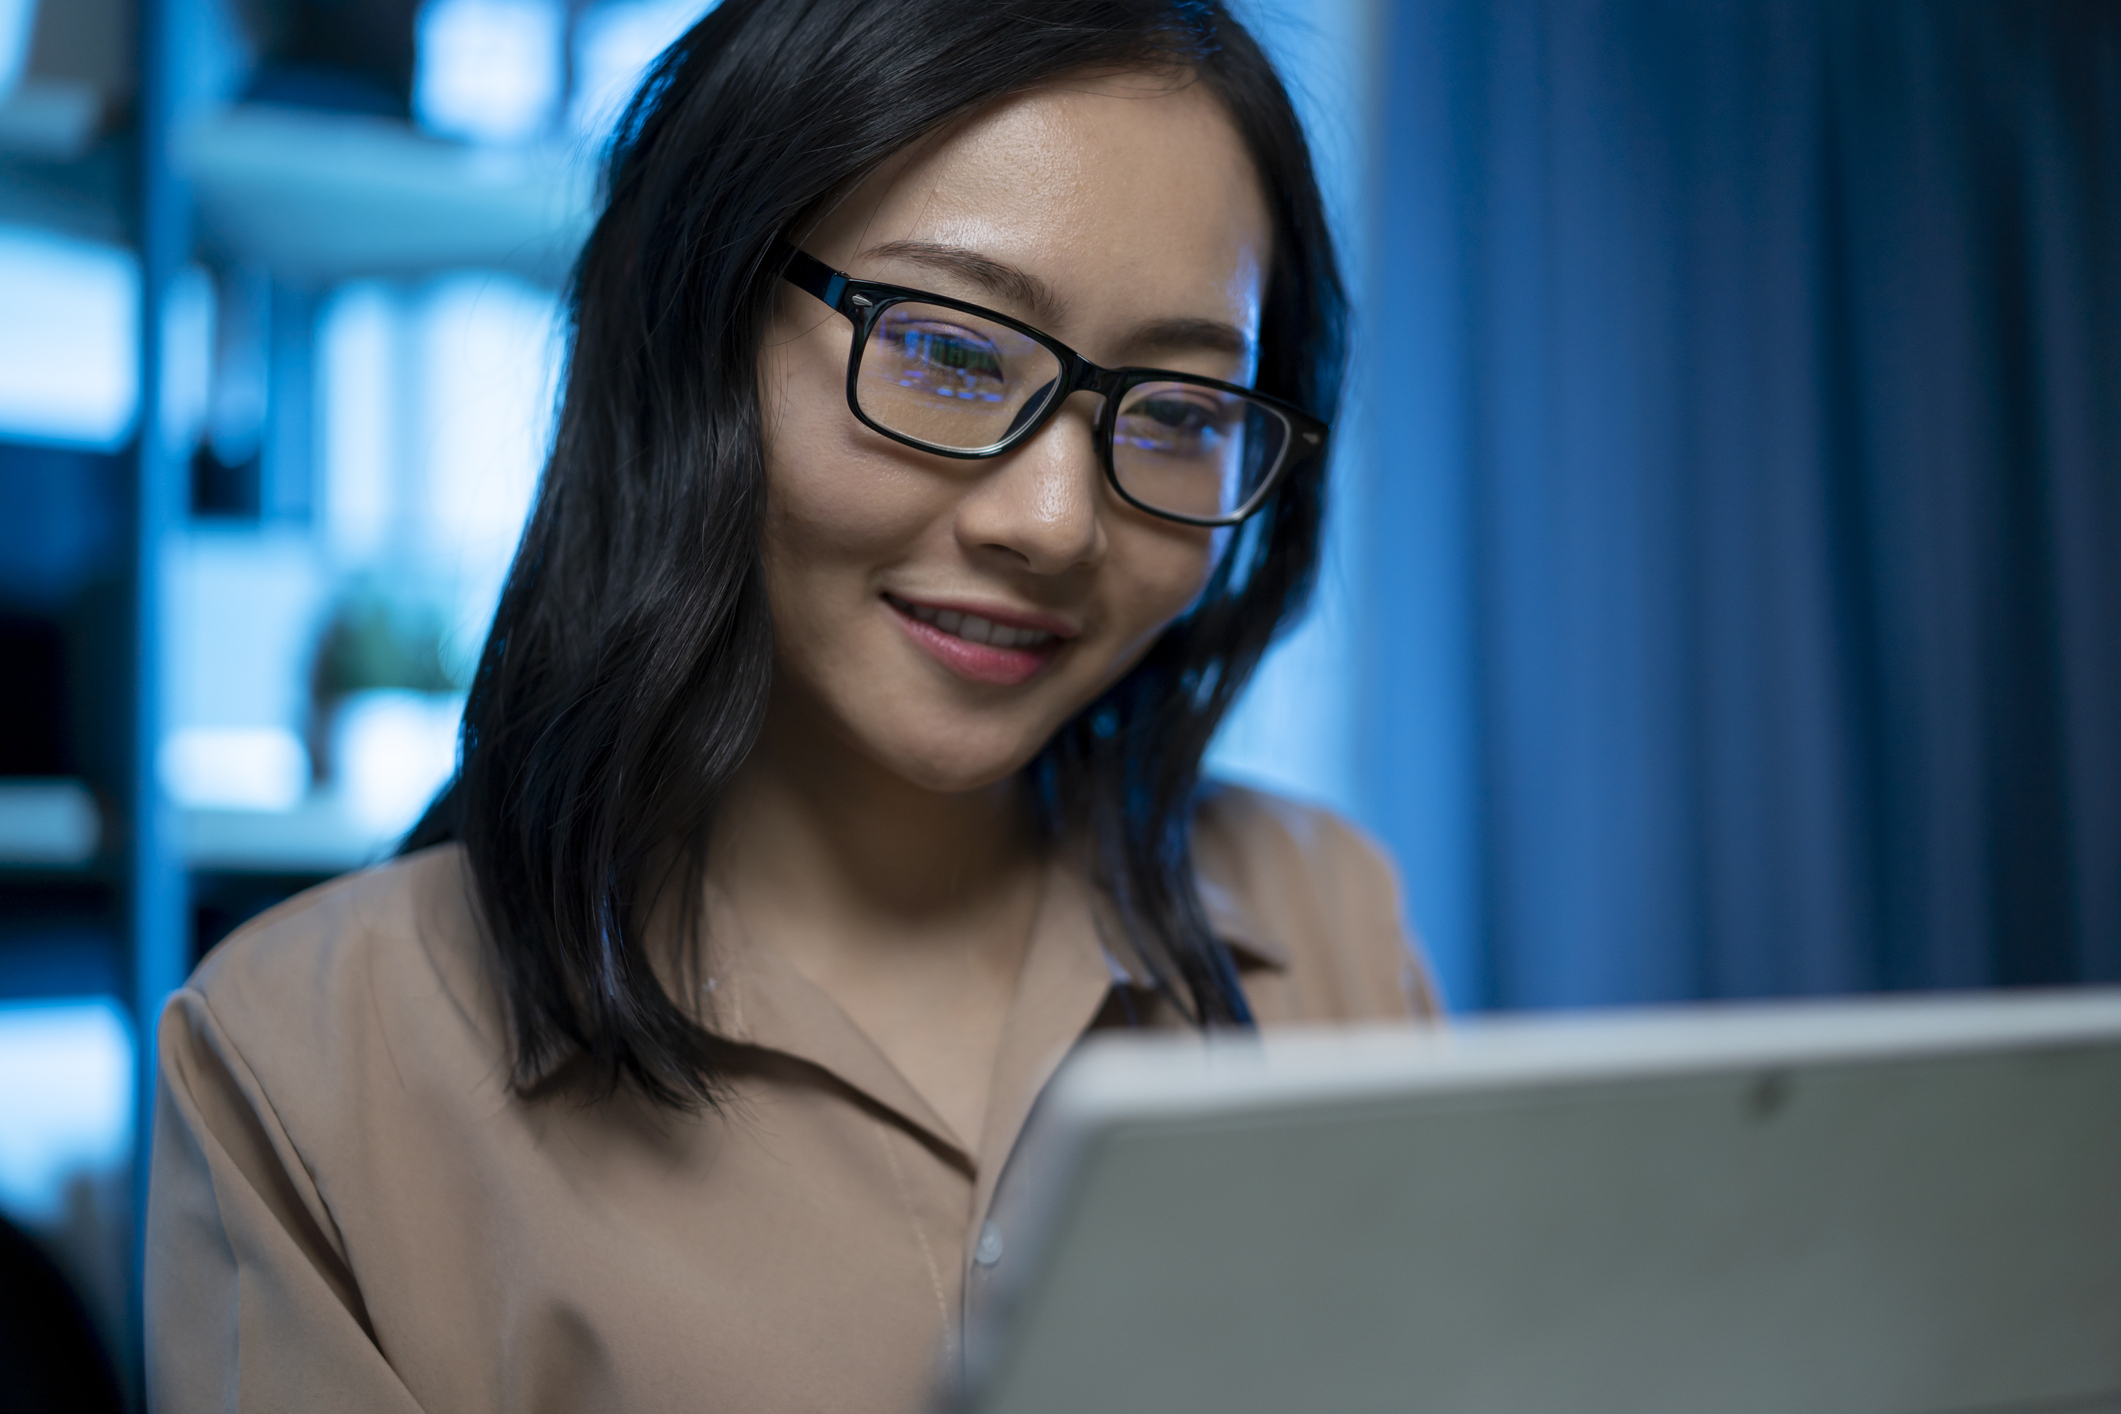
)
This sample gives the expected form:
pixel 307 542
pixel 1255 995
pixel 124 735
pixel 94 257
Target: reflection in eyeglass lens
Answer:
pixel 951 379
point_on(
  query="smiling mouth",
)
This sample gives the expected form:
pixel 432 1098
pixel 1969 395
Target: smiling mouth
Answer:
pixel 974 629
pixel 975 647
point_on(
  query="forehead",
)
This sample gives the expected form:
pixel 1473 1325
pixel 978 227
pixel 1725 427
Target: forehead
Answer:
pixel 1125 194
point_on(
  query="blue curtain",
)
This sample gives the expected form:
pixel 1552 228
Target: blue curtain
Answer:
pixel 1744 543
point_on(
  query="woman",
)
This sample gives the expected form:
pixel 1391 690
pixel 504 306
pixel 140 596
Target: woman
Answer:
pixel 833 764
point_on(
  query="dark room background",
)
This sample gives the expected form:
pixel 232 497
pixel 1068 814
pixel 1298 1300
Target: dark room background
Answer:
pixel 1723 595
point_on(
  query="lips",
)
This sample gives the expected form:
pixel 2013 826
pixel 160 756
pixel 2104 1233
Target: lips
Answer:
pixel 986 648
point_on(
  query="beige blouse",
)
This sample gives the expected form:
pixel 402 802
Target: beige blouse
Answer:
pixel 351 1210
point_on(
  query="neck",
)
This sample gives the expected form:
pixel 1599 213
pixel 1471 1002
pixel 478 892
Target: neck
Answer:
pixel 814 830
pixel 910 909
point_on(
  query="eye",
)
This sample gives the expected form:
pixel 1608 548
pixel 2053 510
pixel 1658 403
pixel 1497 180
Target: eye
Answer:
pixel 1175 414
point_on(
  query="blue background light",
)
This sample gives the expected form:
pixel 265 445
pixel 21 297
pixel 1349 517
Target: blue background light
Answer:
pixel 1722 590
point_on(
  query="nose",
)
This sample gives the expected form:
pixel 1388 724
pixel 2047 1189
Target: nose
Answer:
pixel 1038 506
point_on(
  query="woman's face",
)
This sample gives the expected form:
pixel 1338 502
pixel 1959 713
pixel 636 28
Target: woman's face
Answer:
pixel 1120 215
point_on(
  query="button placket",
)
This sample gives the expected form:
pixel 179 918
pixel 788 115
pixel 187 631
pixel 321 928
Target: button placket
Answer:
pixel 988 1252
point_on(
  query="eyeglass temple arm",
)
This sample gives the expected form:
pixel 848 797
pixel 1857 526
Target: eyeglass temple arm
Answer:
pixel 811 275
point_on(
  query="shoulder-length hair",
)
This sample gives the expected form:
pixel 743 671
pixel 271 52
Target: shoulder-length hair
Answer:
pixel 627 672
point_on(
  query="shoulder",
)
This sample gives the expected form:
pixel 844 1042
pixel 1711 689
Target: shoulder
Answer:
pixel 1269 849
pixel 1261 822
pixel 1312 905
pixel 371 981
pixel 329 1081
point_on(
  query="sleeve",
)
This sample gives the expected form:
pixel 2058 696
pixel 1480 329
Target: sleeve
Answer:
pixel 250 1303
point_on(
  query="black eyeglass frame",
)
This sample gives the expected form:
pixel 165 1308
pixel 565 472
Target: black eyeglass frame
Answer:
pixel 863 302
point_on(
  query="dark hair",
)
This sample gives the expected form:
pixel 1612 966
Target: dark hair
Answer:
pixel 627 672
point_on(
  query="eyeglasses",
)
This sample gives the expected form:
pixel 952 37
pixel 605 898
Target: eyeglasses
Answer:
pixel 962 381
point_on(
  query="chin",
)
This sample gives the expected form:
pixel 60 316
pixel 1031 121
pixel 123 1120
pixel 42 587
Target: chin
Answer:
pixel 965 761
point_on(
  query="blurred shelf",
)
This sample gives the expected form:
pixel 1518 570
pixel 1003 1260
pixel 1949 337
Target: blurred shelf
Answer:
pixel 48 823
pixel 84 199
pixel 56 120
pixel 317 837
pixel 321 197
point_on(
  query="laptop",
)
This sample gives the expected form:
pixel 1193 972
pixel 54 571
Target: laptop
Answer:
pixel 1907 1206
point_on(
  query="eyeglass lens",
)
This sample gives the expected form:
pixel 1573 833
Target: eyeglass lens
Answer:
pixel 955 381
pixel 1196 451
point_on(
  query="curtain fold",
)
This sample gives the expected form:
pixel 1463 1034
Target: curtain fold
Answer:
pixel 1745 526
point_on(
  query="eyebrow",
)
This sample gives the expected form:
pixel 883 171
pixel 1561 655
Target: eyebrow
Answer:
pixel 1029 293
pixel 1019 287
pixel 1211 334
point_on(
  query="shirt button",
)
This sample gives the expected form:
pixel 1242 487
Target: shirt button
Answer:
pixel 989 1250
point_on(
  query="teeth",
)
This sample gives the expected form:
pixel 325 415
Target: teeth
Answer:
pixel 974 629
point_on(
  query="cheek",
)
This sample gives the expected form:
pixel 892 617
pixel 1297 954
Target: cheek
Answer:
pixel 836 509
pixel 1159 573
pixel 828 529
pixel 827 503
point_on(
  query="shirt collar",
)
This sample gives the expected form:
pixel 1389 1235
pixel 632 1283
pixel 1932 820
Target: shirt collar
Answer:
pixel 754 996
pixel 1252 947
